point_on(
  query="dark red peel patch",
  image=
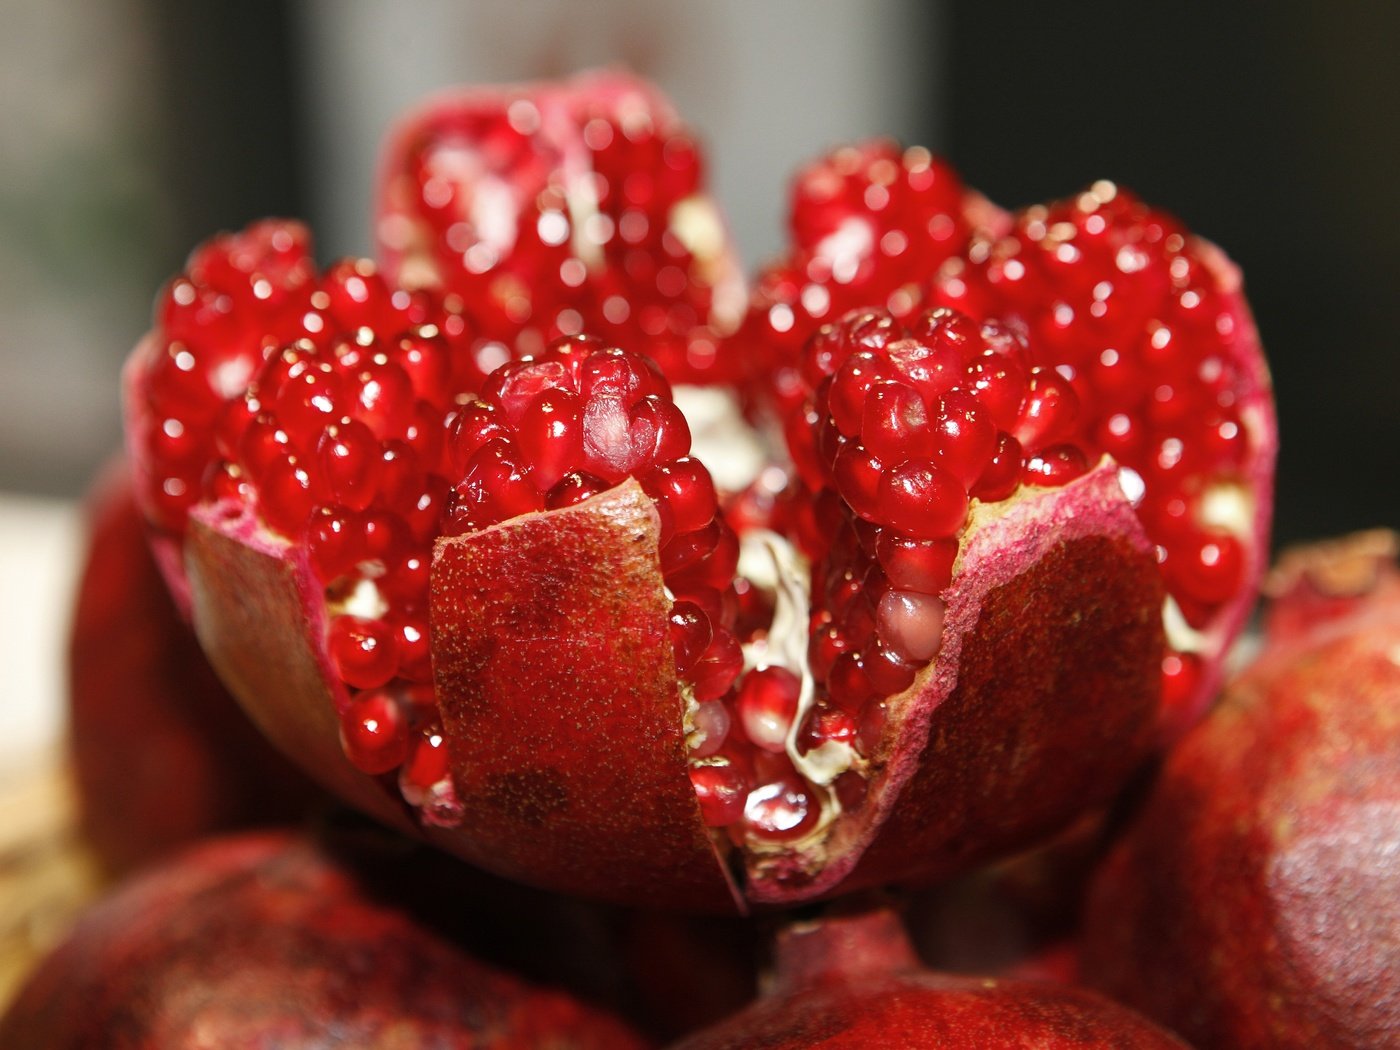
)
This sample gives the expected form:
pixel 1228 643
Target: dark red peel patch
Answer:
pixel 557 688
pixel 250 609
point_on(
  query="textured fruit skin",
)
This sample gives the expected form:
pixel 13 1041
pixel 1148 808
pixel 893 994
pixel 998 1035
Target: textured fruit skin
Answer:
pixel 1042 705
pixel 853 983
pixel 269 941
pixel 1255 900
pixel 139 685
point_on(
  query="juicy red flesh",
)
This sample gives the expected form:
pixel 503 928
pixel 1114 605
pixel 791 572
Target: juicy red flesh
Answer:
pixel 869 224
pixel 903 428
pixel 1120 300
pixel 552 213
pixel 337 438
pixel 241 295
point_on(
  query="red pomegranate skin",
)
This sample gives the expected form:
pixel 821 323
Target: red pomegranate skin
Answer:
pixel 162 754
pixel 1255 900
pixel 853 982
pixel 267 940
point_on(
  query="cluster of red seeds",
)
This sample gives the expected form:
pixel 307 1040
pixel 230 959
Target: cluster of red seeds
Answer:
pixel 539 246
pixel 339 442
pixel 550 431
pixel 869 224
pixel 1117 296
pixel 241 295
pixel 905 425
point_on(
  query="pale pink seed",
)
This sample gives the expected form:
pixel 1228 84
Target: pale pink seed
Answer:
pixel 911 624
pixel 711 720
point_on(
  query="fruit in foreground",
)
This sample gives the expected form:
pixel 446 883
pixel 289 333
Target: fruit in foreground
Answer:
pixel 479 603
pixel 1255 901
pixel 269 940
pixel 853 981
pixel 582 668
pixel 162 754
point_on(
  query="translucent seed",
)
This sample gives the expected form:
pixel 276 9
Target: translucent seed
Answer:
pixel 911 624
pixel 767 704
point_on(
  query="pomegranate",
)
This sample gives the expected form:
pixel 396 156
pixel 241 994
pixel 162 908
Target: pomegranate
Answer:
pixel 479 604
pixel 139 685
pixel 272 940
pixel 583 576
pixel 558 208
pixel 1145 321
pixel 853 981
pixel 1255 900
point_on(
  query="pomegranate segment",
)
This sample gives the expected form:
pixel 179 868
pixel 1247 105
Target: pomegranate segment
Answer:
pixel 1148 325
pixel 240 295
pixel 869 224
pixel 555 209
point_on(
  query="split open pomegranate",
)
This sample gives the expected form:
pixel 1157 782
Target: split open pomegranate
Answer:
pixel 515 613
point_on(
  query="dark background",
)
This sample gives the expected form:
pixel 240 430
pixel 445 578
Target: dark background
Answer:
pixel 1269 128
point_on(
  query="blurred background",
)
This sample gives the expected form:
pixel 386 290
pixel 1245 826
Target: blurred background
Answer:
pixel 132 129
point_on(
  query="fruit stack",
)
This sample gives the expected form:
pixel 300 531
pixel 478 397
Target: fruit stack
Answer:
pixel 887 595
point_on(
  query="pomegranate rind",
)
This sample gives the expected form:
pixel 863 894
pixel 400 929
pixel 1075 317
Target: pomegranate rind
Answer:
pixel 854 982
pixel 1040 704
pixel 1260 419
pixel 139 683
pixel 556 683
pixel 272 940
pixel 1255 899
pixel 259 614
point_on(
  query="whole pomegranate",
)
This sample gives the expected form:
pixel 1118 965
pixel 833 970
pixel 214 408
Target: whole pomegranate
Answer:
pixel 515 613
pixel 161 753
pixel 1255 900
pixel 854 982
pixel 269 940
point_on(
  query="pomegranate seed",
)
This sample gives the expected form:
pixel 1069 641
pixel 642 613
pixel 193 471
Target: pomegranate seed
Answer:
pixel 767 704
pixel 910 624
pixel 922 500
pixel 711 722
pixel 349 458
pixel 426 767
pixel 717 667
pixel 722 790
pixel 690 634
pixel 363 652
pixel 374 732
pixel 781 810
pixel 917 565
